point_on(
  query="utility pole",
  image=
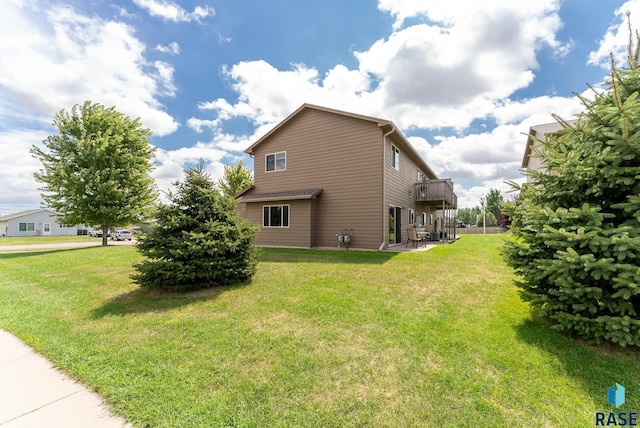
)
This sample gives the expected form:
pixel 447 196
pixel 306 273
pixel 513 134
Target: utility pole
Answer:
pixel 484 215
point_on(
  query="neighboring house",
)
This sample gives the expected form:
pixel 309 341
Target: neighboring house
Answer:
pixel 322 172
pixel 537 134
pixel 34 223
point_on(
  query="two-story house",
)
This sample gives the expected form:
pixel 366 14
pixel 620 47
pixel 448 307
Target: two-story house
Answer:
pixel 321 171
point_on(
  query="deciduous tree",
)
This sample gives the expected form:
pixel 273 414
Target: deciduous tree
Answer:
pixel 95 171
pixel 236 177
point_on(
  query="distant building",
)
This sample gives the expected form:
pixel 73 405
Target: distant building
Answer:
pixel 537 133
pixel 38 222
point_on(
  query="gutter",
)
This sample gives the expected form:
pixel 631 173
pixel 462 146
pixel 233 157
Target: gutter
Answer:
pixel 384 180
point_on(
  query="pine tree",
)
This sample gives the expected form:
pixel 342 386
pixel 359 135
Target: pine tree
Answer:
pixel 578 224
pixel 199 240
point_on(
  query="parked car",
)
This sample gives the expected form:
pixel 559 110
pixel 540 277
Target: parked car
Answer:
pixel 121 235
pixel 98 233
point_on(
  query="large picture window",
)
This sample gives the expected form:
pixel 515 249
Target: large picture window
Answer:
pixel 275 216
pixel 276 162
pixel 26 227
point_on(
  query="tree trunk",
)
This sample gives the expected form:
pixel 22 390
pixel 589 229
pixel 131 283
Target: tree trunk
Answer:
pixel 105 232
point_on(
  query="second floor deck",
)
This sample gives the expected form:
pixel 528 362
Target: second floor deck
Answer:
pixel 437 192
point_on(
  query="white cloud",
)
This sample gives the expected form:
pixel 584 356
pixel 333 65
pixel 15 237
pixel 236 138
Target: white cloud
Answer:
pixel 170 164
pixel 458 66
pixel 173 48
pixel 170 11
pixel 222 40
pixel 616 40
pixel 17 168
pixel 61 58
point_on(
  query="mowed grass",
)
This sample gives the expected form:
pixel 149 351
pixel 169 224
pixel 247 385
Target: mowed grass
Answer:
pixel 318 338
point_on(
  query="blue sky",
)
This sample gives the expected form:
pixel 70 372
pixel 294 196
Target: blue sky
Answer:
pixel 463 79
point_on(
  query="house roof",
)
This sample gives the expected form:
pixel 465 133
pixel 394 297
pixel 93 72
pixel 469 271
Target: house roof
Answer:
pixel 281 196
pixel 384 124
pixel 539 131
pixel 22 213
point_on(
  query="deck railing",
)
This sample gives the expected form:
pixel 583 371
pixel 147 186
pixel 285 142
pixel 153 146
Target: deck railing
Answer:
pixel 436 192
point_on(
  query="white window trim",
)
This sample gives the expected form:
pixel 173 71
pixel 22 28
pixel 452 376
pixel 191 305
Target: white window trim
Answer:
pixel 395 157
pixel 412 217
pixel 275 161
pixel 27 223
pixel 278 227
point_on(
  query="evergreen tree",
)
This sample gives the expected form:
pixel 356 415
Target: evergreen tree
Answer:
pixel 199 240
pixel 578 224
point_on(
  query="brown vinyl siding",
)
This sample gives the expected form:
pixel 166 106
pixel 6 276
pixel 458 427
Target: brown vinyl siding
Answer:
pixel 399 187
pixel 298 234
pixel 338 154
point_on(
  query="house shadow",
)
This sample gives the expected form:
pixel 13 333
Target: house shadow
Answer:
pixel 594 367
pixel 343 256
pixel 143 300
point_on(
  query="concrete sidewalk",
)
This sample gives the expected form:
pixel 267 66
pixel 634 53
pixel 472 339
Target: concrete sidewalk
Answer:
pixel 63 245
pixel 34 394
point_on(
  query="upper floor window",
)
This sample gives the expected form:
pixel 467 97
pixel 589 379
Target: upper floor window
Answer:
pixel 395 157
pixel 276 162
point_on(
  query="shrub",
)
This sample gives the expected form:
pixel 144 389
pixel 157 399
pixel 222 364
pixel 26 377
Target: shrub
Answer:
pixel 198 241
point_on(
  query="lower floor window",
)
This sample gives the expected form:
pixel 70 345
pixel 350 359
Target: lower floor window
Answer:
pixel 26 227
pixel 275 216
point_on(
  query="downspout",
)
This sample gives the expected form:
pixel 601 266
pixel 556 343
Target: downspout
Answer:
pixel 384 180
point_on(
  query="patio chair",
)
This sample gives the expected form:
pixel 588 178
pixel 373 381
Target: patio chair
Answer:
pixel 413 237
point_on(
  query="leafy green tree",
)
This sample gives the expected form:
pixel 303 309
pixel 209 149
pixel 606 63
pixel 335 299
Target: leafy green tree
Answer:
pixel 236 178
pixel 96 170
pixel 468 215
pixel 493 200
pixel 198 241
pixel 488 217
pixel 577 225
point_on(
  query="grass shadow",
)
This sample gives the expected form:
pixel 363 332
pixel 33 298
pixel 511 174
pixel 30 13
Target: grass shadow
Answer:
pixel 595 367
pixel 15 254
pixel 143 300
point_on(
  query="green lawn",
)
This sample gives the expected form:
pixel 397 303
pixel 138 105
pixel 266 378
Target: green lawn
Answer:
pixel 319 338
